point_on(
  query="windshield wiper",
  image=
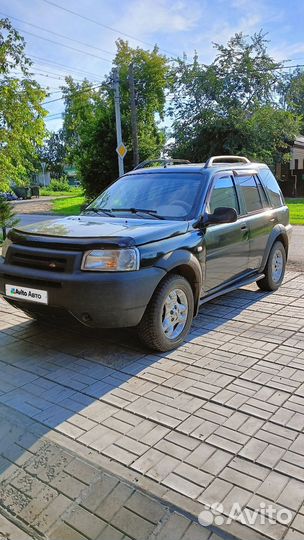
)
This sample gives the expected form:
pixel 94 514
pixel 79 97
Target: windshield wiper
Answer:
pixel 100 211
pixel 152 213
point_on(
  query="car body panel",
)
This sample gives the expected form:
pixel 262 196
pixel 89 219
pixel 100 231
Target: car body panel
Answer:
pixel 102 227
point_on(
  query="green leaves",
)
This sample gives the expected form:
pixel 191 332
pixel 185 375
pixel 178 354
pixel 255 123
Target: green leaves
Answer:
pixel 232 106
pixel 7 216
pixel 53 153
pixel 89 122
pixel 21 118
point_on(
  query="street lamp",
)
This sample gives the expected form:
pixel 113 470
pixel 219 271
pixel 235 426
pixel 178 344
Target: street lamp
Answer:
pixel 43 166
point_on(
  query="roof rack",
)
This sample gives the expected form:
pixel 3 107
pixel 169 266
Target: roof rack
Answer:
pixel 225 159
pixel 164 161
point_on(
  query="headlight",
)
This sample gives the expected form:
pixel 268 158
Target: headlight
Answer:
pixel 111 260
pixel 5 246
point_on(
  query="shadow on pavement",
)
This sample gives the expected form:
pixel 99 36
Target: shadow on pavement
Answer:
pixel 53 375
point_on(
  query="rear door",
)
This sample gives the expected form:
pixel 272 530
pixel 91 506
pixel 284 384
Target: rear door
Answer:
pixel 260 217
pixel 227 245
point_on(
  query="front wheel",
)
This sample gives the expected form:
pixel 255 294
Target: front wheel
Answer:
pixel 275 268
pixel 168 317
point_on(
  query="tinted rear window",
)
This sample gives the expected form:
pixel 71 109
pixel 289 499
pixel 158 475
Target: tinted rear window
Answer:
pixel 272 188
pixel 250 193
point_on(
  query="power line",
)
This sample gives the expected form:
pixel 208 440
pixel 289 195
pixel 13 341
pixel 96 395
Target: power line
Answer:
pixel 49 75
pixel 77 92
pixel 53 62
pixel 63 45
pixel 103 25
pixel 52 116
pixel 57 34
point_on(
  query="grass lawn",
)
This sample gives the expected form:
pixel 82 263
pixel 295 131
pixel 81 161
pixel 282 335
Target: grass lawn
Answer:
pixel 46 192
pixel 68 207
pixel 296 208
pixel 73 205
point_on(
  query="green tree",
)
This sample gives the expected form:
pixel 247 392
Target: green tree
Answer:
pixel 53 153
pixel 7 216
pixel 21 114
pixel 291 91
pixel 89 134
pixel 89 122
pixel 231 106
pixel 150 74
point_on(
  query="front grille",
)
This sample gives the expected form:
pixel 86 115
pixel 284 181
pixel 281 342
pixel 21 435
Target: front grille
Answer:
pixel 27 282
pixel 39 262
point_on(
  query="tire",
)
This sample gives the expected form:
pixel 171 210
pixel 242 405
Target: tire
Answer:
pixel 274 269
pixel 164 333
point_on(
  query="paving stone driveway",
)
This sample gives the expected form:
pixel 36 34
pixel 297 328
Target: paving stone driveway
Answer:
pixel 101 440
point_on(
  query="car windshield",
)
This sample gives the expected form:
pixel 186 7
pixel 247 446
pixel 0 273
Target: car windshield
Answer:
pixel 169 195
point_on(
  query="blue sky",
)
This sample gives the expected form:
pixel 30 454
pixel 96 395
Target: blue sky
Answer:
pixel 176 26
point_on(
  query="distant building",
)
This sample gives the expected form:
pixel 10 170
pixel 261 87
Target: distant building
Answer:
pixel 291 175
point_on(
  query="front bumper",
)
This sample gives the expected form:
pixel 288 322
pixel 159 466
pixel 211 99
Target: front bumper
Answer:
pixel 97 299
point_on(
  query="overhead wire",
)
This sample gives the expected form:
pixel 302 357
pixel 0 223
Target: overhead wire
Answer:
pixel 105 26
pixel 57 34
pixel 55 63
pixel 63 45
pixel 84 90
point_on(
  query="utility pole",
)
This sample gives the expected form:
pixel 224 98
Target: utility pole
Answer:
pixel 133 116
pixel 121 150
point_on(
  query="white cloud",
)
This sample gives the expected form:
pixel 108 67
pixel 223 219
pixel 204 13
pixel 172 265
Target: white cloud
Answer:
pixel 146 17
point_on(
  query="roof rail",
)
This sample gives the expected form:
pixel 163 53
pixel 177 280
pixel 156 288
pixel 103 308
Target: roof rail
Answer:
pixel 164 161
pixel 225 159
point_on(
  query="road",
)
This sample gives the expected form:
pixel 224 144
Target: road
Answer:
pixel 27 219
pixel 296 252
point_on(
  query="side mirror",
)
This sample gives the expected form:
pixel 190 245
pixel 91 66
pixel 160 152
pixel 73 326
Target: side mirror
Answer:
pixel 222 214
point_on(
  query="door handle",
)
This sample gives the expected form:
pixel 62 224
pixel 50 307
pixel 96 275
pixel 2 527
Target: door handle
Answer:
pixel 273 219
pixel 244 228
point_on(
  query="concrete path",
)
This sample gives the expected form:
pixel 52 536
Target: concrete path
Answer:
pixel 216 424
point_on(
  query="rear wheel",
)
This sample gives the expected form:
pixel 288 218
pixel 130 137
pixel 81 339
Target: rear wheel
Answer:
pixel 275 268
pixel 168 317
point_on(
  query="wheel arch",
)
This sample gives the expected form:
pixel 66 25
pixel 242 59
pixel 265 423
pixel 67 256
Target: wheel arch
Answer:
pixel 278 233
pixel 184 263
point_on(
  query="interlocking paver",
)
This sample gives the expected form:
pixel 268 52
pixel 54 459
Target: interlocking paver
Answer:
pixel 132 524
pixel 85 522
pixel 219 419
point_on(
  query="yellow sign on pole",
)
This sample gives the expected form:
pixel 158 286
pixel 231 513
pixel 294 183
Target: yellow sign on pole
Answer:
pixel 121 150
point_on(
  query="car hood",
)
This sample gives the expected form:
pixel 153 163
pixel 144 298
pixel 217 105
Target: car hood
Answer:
pixel 131 231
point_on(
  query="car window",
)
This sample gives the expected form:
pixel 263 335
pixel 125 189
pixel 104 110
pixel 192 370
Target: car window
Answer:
pixel 172 195
pixel 223 194
pixel 262 193
pixel 272 187
pixel 251 193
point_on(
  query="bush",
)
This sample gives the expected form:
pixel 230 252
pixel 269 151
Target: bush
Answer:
pixel 59 185
pixel 7 217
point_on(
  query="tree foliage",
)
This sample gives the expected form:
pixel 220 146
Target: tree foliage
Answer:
pixel 89 123
pixel 232 105
pixel 292 93
pixel 7 216
pixel 53 153
pixel 22 126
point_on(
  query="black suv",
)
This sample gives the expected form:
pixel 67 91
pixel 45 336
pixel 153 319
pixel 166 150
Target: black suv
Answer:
pixel 153 247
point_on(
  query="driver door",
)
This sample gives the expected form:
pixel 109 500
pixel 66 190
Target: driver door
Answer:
pixel 227 244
